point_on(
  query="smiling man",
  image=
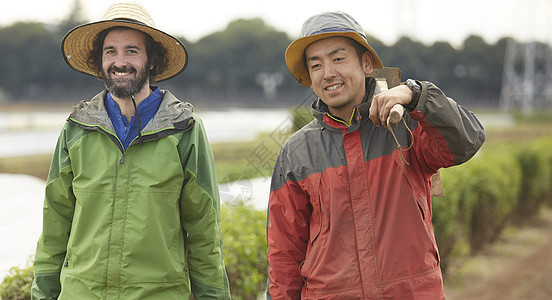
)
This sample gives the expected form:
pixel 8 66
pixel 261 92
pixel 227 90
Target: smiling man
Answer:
pixel 131 208
pixel 346 218
pixel 124 50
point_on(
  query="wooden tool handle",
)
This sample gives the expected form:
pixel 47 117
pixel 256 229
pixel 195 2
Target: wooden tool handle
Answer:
pixel 395 114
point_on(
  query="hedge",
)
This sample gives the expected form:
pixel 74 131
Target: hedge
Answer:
pixel 496 188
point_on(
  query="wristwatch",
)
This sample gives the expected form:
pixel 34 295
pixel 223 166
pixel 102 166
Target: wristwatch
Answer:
pixel 416 91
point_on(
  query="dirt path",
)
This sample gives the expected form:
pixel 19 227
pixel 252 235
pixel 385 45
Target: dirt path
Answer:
pixel 518 267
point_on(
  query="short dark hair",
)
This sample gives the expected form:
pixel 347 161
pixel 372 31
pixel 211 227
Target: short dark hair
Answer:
pixel 157 55
pixel 358 47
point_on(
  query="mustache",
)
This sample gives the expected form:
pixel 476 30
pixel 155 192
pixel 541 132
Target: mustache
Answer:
pixel 122 69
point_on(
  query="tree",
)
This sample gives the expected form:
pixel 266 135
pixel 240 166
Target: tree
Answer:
pixel 227 63
pixel 26 55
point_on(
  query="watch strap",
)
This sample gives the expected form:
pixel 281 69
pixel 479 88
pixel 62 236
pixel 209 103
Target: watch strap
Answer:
pixel 416 89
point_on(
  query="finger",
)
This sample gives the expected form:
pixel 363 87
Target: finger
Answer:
pixel 373 115
pixel 384 112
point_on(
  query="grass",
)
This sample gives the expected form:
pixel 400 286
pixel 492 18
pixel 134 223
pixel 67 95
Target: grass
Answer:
pixel 523 131
pixel 245 160
pixel 36 165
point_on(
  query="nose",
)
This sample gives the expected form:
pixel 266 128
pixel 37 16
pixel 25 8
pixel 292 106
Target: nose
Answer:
pixel 115 59
pixel 120 60
pixel 329 71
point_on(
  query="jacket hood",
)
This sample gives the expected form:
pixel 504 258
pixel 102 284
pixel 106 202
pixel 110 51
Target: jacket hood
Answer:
pixel 172 113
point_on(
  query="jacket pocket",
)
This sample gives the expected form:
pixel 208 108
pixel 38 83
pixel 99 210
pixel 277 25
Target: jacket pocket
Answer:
pixel 315 226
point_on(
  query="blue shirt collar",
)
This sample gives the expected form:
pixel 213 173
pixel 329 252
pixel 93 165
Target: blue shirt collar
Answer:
pixel 128 131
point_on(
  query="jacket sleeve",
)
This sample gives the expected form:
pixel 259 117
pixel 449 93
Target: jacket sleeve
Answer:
pixel 287 234
pixel 59 204
pixel 451 133
pixel 200 217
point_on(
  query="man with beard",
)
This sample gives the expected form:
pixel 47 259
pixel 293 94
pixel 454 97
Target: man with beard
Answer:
pixel 131 208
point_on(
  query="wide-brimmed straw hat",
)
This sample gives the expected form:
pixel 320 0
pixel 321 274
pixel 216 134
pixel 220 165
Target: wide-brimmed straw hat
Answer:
pixel 319 27
pixel 78 42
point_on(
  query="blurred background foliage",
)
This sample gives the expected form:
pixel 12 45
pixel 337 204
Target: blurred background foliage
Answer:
pixel 241 65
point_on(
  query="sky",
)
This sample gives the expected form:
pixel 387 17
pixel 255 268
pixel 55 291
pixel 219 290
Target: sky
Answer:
pixel 423 20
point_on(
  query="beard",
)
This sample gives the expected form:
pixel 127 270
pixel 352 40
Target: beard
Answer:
pixel 127 87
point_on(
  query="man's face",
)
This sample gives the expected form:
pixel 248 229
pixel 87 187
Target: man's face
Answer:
pixel 125 65
pixel 337 74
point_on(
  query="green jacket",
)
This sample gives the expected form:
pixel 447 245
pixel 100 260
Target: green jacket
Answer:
pixel 137 224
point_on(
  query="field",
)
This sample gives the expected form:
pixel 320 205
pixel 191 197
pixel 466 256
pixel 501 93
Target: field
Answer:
pixel 517 266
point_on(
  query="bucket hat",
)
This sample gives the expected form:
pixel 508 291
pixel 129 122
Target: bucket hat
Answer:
pixel 78 42
pixel 321 26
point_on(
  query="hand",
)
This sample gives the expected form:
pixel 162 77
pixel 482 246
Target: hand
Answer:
pixel 384 101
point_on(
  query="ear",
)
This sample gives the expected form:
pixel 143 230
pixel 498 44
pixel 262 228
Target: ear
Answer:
pixel 366 63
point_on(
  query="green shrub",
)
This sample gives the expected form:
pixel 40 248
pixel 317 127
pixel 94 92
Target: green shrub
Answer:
pixel 448 218
pixel 535 161
pixel 244 236
pixel 480 196
pixel 17 284
pixel 544 147
pixel 494 185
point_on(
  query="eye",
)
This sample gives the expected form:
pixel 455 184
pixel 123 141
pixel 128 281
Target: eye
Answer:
pixel 339 59
pixel 315 66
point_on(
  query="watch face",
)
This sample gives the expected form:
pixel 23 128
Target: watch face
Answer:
pixel 412 84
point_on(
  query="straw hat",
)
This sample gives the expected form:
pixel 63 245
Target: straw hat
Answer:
pixel 319 27
pixel 78 42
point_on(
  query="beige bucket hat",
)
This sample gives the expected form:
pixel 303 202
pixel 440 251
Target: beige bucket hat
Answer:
pixel 322 26
pixel 78 42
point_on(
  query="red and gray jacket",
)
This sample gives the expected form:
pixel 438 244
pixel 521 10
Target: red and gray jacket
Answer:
pixel 347 218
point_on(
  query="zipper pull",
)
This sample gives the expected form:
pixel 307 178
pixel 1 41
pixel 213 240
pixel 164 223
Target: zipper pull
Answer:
pixel 122 159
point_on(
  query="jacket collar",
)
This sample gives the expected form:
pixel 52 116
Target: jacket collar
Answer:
pixel 172 113
pixel 322 113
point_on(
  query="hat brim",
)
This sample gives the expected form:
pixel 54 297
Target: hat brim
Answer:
pixel 78 43
pixel 295 54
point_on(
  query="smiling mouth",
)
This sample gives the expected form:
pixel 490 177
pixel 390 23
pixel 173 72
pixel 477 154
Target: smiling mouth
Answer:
pixel 121 73
pixel 334 87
